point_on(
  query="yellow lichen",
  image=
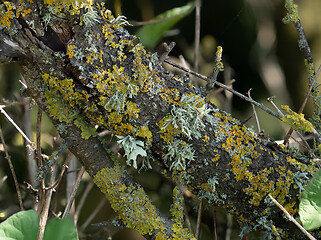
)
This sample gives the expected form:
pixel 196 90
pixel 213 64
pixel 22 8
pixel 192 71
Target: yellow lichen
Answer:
pixel 296 121
pixel 130 202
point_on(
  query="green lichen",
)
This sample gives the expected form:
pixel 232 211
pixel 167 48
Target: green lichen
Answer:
pixel 132 148
pixel 186 118
pixel 179 155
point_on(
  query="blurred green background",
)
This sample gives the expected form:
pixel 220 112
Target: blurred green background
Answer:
pixel 259 52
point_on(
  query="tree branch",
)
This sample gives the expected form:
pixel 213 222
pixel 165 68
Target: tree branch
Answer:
pixel 87 72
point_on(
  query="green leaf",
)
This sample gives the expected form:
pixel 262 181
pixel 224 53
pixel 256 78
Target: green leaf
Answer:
pixel 310 204
pixel 62 229
pixel 151 34
pixel 20 226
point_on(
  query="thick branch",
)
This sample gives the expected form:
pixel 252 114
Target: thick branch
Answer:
pixel 87 72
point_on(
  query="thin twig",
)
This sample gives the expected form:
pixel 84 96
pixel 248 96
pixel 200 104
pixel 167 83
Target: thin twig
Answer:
pixel 254 111
pixel 287 136
pixel 299 134
pixel 42 193
pixel 81 202
pixel 14 124
pixel 292 219
pixel 73 194
pixel 199 221
pixel 27 128
pixel 43 216
pixel 12 170
pixel 260 105
pixel 62 172
pixel 270 100
pixel 187 219
pixel 214 224
pixel 102 202
pixel 197 33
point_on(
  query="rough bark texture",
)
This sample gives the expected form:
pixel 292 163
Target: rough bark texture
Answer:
pixel 84 70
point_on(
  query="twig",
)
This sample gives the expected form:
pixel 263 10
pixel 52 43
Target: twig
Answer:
pixel 168 49
pixel 299 134
pixel 270 100
pixel 292 219
pixel 214 224
pixel 199 221
pixel 73 194
pixel 260 105
pixel 197 33
pixel 256 118
pixel 187 220
pixel 43 216
pixel 287 136
pixel 27 128
pixel 81 202
pixel 42 193
pixel 56 183
pixel 12 170
pixel 93 214
pixel 14 124
pixel 230 227
pixel 218 67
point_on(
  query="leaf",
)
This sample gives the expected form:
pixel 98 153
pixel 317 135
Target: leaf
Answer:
pixel 151 34
pixel 20 226
pixel 62 229
pixel 310 204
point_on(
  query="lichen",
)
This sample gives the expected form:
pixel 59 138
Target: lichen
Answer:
pixel 296 121
pixel 132 148
pixel 130 202
pixel 292 12
pixel 179 154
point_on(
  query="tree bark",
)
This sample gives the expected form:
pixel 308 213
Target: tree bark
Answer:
pixel 88 73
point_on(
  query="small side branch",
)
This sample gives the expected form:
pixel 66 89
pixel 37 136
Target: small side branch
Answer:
pixel 292 219
pixel 260 105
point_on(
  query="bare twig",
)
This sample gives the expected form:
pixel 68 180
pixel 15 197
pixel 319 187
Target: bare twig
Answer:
pixel 214 224
pixel 81 202
pixel 260 105
pixel 199 221
pixel 197 33
pixel 102 202
pixel 12 170
pixel 27 128
pixel 270 100
pixel 43 216
pixel 256 118
pixel 14 124
pixel 292 219
pixel 187 220
pixel 287 136
pixel 73 194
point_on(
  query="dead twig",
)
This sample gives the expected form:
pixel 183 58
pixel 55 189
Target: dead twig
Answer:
pixel 198 4
pixel 73 194
pixel 292 219
pixel 260 105
pixel 12 170
pixel 199 221
pixel 256 117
